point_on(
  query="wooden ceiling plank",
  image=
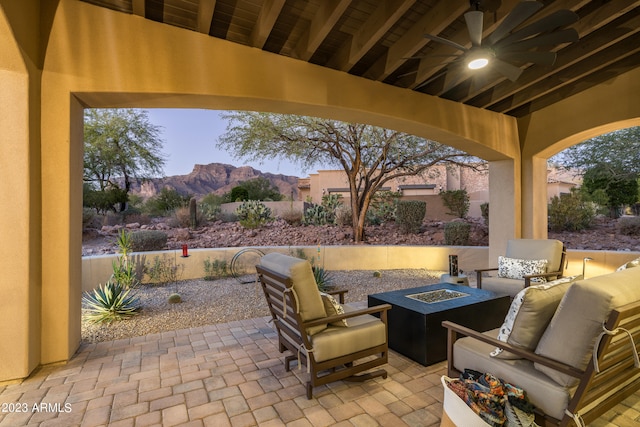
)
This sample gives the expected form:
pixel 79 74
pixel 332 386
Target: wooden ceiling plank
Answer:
pixel 582 70
pixel 139 7
pixel 439 18
pixel 381 20
pixel 322 23
pixel 205 15
pixel 266 20
pixel 589 44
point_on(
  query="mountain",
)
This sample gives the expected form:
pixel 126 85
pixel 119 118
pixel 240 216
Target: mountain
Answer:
pixel 215 178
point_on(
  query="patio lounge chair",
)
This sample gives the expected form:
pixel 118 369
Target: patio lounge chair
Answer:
pixel 335 346
pixel 525 261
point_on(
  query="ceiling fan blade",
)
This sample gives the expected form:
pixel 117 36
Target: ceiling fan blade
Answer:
pixel 540 58
pixel 453 78
pixel 569 35
pixel 447 42
pixel 509 71
pixel 517 16
pixel 474 25
pixel 557 19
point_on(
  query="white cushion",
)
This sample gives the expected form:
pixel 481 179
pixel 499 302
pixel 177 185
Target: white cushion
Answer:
pixel 630 264
pixel 333 308
pixel 530 313
pixel 514 268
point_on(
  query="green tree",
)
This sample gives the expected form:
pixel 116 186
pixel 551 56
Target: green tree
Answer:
pixel 457 201
pixel 261 188
pixel 620 186
pixel 120 145
pixel 369 155
pixel 166 201
pixel 620 150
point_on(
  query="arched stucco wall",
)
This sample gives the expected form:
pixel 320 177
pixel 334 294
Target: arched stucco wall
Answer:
pixel 86 56
pixel 612 105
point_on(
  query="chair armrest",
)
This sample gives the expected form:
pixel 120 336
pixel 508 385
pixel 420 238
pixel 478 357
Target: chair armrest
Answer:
pixel 454 329
pixel 340 294
pixel 527 278
pixel 479 275
pixel 382 309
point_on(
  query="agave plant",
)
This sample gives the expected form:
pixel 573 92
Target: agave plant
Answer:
pixel 324 279
pixel 109 302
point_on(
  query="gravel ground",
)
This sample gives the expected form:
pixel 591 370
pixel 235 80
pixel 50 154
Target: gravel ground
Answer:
pixel 226 300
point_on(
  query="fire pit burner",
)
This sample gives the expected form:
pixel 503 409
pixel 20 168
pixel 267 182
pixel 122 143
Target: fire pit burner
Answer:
pixel 439 295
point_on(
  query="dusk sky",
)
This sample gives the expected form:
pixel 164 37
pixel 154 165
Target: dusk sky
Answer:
pixel 190 138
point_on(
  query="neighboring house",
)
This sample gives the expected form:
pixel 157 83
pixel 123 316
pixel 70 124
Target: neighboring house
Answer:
pixel 428 186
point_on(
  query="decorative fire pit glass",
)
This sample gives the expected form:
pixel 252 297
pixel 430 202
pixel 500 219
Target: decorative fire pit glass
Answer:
pixel 440 295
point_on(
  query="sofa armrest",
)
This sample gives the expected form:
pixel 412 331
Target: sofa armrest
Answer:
pixel 382 309
pixel 453 330
pixel 479 275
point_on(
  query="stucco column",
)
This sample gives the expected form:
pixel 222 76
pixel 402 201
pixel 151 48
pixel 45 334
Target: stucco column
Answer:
pixel 504 206
pixel 534 197
pixel 20 213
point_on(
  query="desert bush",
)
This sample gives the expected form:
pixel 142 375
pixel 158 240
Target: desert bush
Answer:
pixel 253 214
pixel 148 240
pixel 457 201
pixel 484 210
pixel 89 218
pixel 163 270
pixel 570 212
pixel 383 208
pixel 227 217
pixel 109 302
pixel 210 212
pixel 165 202
pixel 215 269
pixel 457 233
pixel 410 214
pixel 292 217
pixel 628 225
pixel 141 219
pixel 343 216
pixel 182 217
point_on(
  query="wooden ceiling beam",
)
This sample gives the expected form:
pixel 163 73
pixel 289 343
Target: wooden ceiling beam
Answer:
pixel 379 22
pixel 205 15
pixel 138 7
pixel 269 12
pixel 323 22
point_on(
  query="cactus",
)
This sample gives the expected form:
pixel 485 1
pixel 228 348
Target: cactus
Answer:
pixel 193 217
pixel 174 298
pixel 253 214
pixel 316 215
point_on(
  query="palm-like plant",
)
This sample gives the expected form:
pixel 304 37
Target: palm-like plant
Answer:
pixel 109 302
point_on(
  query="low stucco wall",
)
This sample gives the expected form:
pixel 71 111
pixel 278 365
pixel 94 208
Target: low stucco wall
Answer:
pixel 97 269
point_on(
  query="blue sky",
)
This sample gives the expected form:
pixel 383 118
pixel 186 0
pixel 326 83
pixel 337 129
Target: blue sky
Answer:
pixel 190 138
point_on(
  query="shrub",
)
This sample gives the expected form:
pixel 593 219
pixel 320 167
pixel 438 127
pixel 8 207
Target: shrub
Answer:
pixel 457 201
pixel 343 216
pixel 124 271
pixel 183 217
pixel 215 269
pixel 383 208
pixel 174 299
pixel 88 217
pixel 629 226
pixel 210 212
pixel 166 201
pixel 253 214
pixel 110 302
pixel 410 214
pixel 292 217
pixel 238 194
pixel 148 240
pixel 484 210
pixel 163 270
pixel 456 233
pixel 570 212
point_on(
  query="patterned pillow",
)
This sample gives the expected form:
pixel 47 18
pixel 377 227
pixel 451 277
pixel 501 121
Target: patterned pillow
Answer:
pixel 333 308
pixel 630 264
pixel 513 268
pixel 530 312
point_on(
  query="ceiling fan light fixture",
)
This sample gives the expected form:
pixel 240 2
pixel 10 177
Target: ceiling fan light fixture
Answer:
pixel 477 63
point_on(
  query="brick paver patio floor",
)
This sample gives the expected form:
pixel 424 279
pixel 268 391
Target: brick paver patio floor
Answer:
pixel 227 374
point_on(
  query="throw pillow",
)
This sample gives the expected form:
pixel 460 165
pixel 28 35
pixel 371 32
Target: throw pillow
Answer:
pixel 530 312
pixel 333 308
pixel 514 268
pixel 630 264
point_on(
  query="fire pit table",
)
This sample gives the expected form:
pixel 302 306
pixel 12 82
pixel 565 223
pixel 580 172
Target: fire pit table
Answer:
pixel 416 316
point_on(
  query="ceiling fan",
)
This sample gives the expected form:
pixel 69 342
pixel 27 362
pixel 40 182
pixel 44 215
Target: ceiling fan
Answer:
pixel 505 50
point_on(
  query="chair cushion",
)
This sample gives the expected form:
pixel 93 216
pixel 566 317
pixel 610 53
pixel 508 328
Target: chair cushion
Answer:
pixel 530 313
pixel 630 264
pixel 571 334
pixel 503 286
pixel 306 291
pixel 515 268
pixel 543 392
pixel 549 249
pixel 333 308
pixel 364 332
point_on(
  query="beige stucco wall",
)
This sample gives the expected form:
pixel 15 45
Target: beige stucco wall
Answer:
pixel 57 58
